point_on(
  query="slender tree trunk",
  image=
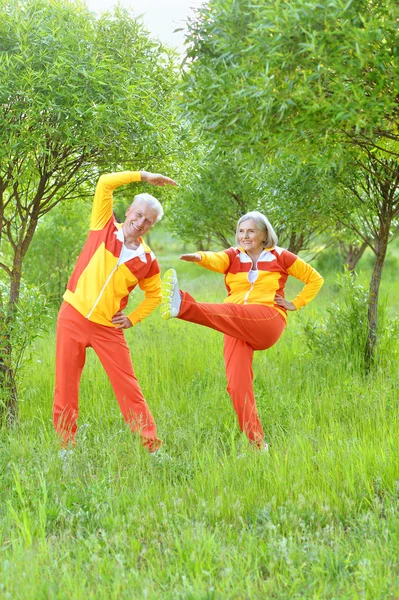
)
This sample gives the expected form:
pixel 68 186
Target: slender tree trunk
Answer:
pixel 8 384
pixel 381 250
pixel 204 245
pixel 296 242
pixel 15 281
pixel 8 388
pixel 352 254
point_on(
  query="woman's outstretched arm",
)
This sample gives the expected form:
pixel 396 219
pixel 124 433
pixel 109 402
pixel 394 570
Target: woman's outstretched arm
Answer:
pixel 214 261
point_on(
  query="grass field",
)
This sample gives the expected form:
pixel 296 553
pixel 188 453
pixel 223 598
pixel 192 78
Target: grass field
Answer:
pixel 315 518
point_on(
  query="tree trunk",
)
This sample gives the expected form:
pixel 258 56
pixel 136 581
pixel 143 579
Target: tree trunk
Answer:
pixel 15 282
pixel 8 388
pixel 372 317
pixel 296 242
pixel 352 253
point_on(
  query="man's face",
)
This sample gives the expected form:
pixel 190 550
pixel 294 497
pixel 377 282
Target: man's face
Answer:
pixel 139 219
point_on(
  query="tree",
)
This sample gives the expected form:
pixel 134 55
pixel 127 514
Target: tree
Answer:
pixel 315 81
pixel 78 94
pixel 214 193
pixel 352 252
pixel 295 194
pixel 58 240
pixel 220 188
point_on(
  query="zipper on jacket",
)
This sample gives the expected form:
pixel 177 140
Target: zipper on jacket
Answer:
pixel 248 292
pixel 101 292
pixel 252 284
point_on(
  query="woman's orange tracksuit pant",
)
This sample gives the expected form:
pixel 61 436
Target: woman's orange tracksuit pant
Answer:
pixel 74 335
pixel 246 328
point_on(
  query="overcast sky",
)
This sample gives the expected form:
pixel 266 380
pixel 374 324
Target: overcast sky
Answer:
pixel 161 17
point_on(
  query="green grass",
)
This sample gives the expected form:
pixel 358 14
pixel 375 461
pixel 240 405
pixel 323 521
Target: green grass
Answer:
pixel 316 518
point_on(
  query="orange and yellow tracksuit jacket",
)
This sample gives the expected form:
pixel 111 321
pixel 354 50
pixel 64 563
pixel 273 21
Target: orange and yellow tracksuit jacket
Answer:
pixel 274 266
pixel 100 286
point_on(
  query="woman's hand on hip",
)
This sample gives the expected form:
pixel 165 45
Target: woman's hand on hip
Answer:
pixel 195 257
pixel 280 301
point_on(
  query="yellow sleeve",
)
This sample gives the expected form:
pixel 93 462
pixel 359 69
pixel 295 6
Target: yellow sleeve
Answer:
pixel 214 261
pixel 313 280
pixel 102 204
pixel 152 292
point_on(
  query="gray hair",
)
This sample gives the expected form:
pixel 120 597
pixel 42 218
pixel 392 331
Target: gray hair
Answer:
pixel 263 224
pixel 152 203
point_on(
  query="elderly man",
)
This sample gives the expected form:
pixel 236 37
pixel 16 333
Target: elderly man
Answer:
pixel 113 261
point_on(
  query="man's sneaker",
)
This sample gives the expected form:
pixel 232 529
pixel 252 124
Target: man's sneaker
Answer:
pixel 160 456
pixel 253 448
pixel 82 432
pixel 66 456
pixel 171 298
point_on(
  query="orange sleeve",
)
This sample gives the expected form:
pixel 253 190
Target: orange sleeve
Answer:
pixel 214 261
pixel 102 204
pixel 151 287
pixel 312 279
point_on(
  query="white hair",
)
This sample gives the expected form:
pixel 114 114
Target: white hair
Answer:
pixel 152 203
pixel 263 224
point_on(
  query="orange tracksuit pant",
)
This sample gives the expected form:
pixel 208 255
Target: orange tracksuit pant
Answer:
pixel 74 335
pixel 246 328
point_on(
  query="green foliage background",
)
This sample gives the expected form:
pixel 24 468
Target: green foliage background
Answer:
pixel 317 516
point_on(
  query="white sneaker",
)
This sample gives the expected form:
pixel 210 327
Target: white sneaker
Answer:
pixel 66 456
pixel 160 456
pixel 171 297
pixel 82 432
pixel 249 451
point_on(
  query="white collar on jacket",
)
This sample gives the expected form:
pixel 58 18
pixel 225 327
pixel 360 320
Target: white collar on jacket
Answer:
pixel 128 254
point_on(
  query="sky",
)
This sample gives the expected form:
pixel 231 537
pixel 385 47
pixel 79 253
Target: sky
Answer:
pixel 161 17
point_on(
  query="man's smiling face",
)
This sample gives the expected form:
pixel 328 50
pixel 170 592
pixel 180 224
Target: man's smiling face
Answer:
pixel 139 219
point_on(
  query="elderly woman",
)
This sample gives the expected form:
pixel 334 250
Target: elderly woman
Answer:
pixel 254 314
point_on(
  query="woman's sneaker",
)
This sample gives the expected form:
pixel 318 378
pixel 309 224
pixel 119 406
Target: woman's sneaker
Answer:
pixel 171 297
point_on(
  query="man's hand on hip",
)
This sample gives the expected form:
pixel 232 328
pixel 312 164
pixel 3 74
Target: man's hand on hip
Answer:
pixel 156 179
pixel 121 321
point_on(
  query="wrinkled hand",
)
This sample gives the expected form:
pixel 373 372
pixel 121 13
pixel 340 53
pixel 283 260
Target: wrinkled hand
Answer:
pixel 121 321
pixel 284 303
pixel 156 179
pixel 195 257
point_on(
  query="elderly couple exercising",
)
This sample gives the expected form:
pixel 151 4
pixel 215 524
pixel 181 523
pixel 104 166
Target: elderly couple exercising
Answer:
pixel 115 259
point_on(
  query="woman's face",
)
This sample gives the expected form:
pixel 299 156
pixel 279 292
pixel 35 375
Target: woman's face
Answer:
pixel 251 238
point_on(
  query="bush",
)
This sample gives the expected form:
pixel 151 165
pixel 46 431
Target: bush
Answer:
pixel 342 333
pixel 29 319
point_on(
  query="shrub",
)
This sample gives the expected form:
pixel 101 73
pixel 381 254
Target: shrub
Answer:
pixel 341 334
pixel 28 320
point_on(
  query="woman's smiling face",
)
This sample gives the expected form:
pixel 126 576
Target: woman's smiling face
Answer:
pixel 251 238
